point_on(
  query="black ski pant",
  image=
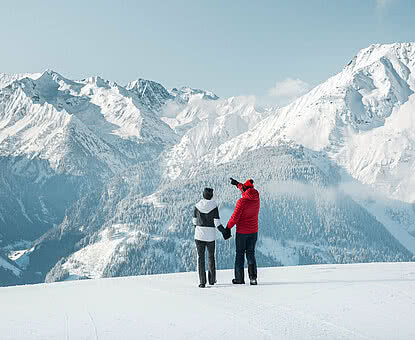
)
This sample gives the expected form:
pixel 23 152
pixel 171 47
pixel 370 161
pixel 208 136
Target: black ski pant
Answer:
pixel 245 244
pixel 201 246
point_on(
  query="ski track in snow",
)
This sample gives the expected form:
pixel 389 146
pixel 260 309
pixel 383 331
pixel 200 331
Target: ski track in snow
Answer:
pixel 360 301
pixel 93 325
pixel 68 334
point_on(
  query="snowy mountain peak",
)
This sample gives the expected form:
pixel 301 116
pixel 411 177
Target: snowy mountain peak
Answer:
pixel 65 83
pixel 55 75
pixel 7 79
pixel 46 80
pixel 48 116
pixel 369 105
pixel 141 86
pixel 98 81
pixel 184 94
pixel 399 54
pixel 360 98
pixel 150 93
pixel 155 96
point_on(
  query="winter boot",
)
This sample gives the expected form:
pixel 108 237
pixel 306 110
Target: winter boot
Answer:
pixel 238 282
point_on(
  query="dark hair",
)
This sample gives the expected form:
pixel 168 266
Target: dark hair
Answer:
pixel 208 193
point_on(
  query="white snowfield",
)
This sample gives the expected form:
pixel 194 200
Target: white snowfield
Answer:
pixel 357 301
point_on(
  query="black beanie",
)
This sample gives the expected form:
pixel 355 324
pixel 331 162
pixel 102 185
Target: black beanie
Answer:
pixel 208 193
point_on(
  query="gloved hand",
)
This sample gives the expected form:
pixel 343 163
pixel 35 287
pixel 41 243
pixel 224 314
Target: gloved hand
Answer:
pixel 234 181
pixel 225 232
pixel 221 228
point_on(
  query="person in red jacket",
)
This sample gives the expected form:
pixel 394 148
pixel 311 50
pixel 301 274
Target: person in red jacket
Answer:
pixel 245 216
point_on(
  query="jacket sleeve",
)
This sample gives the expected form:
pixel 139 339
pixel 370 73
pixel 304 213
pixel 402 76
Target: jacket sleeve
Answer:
pixel 216 218
pixel 236 214
pixel 194 219
pixel 239 186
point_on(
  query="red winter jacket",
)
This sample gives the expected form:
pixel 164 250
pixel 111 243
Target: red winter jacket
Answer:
pixel 245 215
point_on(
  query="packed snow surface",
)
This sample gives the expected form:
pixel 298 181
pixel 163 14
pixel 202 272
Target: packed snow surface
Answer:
pixel 358 301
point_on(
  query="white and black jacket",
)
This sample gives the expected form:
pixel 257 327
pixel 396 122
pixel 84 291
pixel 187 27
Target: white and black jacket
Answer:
pixel 206 219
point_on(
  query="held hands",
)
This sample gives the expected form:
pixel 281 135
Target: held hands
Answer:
pixel 225 232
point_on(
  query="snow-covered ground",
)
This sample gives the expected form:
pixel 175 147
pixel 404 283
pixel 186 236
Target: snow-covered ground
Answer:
pixel 358 301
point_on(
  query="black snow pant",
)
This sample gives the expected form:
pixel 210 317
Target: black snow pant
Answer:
pixel 201 246
pixel 245 244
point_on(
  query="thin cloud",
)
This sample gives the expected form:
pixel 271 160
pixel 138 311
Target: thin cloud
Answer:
pixel 288 90
pixel 382 7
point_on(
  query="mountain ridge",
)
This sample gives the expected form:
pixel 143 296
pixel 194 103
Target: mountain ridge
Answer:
pixel 334 168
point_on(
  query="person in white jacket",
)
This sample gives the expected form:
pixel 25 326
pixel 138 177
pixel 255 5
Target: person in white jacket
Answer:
pixel 206 219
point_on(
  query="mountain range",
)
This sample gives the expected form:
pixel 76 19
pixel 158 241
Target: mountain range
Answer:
pixel 99 179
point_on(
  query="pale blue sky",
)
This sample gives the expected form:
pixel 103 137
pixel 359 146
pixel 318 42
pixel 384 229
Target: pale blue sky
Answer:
pixel 230 47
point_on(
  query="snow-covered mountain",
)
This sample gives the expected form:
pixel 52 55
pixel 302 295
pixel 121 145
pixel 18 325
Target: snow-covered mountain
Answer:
pixel 151 94
pixel 74 134
pixel 65 122
pixel 205 125
pixel 305 218
pixel 363 118
pixel 102 171
pixel 185 94
pixel 7 79
pixel 358 301
pixel 57 135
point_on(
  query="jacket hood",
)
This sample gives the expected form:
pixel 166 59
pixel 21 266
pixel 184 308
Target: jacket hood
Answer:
pixel 249 183
pixel 205 205
pixel 251 194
